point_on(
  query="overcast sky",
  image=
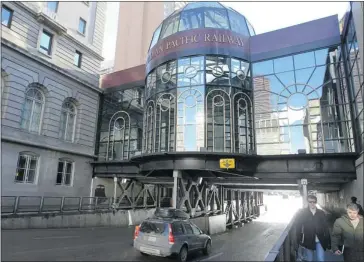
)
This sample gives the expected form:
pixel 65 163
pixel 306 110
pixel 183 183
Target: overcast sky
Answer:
pixel 264 16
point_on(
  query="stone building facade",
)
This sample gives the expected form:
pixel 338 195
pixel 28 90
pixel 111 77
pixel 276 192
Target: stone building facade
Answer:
pixel 50 62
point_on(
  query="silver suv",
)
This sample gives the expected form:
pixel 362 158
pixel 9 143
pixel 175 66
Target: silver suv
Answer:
pixel 170 234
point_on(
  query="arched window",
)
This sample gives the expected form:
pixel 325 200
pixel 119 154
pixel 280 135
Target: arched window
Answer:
pixel 65 172
pixel 118 146
pixel 32 113
pixel 165 123
pixel 68 121
pixel 243 126
pixel 27 168
pixel 190 120
pixel 218 121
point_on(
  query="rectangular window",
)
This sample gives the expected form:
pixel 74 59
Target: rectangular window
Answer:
pixel 77 59
pixel 26 169
pixel 46 42
pixel 82 26
pixel 64 173
pixel 52 6
pixel 6 16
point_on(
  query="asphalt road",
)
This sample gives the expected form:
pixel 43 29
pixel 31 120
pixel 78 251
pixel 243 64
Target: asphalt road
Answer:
pixel 249 243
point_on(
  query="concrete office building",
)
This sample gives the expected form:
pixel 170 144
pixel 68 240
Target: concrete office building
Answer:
pixel 209 84
pixel 133 42
pixel 50 62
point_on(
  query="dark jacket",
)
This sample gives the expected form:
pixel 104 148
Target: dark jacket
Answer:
pixel 344 233
pixel 361 211
pixel 312 225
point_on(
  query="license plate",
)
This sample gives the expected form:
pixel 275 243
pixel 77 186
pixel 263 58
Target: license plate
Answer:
pixel 150 250
pixel 152 239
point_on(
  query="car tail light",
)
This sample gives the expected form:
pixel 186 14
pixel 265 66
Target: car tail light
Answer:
pixel 170 235
pixel 136 232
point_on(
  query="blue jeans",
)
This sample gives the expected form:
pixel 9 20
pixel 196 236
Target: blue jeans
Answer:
pixel 320 253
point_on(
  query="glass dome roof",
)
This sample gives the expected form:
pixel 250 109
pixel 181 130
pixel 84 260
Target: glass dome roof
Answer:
pixel 202 15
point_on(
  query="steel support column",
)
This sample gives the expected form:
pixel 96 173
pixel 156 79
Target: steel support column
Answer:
pixel 237 207
pixel 304 192
pixel 115 185
pixel 222 200
pixel 176 175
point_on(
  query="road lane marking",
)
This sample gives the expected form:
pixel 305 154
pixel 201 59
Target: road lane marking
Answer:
pixel 59 237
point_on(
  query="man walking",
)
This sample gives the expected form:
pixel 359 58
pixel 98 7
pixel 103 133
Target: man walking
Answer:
pixel 313 231
pixel 354 200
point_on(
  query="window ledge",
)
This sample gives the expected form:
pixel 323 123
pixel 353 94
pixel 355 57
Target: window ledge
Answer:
pixel 43 18
pixel 62 185
pixel 24 183
pixel 44 53
pixel 81 34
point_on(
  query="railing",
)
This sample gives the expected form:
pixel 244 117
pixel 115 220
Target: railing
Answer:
pixel 285 247
pixel 11 205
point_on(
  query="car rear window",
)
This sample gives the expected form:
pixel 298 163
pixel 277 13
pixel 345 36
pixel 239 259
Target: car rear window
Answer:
pixel 152 227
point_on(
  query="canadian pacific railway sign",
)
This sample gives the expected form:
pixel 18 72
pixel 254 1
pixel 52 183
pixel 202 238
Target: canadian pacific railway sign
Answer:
pixel 198 38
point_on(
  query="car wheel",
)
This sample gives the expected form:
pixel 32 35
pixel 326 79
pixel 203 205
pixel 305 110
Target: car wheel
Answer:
pixel 182 256
pixel 207 249
pixel 143 254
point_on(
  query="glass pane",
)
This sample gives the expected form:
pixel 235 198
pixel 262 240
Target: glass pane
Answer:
pixel 31 176
pixel 60 167
pixel 76 59
pixel 52 6
pixel 304 60
pixel 69 168
pixel 59 178
pixel 303 75
pixel 82 26
pixel 203 4
pixel 321 56
pixel 26 113
pixel 263 68
pixel 33 163
pixel 190 20
pixel 5 16
pixel 19 176
pixel 156 36
pixel 45 41
pixel 35 121
pixel 238 23
pixel 62 128
pixel 251 29
pixel 67 179
pixel 22 162
pixel 70 128
pixel 283 64
pixel 170 26
pixel 188 228
pixel 190 138
pixel 216 18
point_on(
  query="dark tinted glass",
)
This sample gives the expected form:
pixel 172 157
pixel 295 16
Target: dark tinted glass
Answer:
pixel 188 228
pixel 152 227
pixel 177 228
